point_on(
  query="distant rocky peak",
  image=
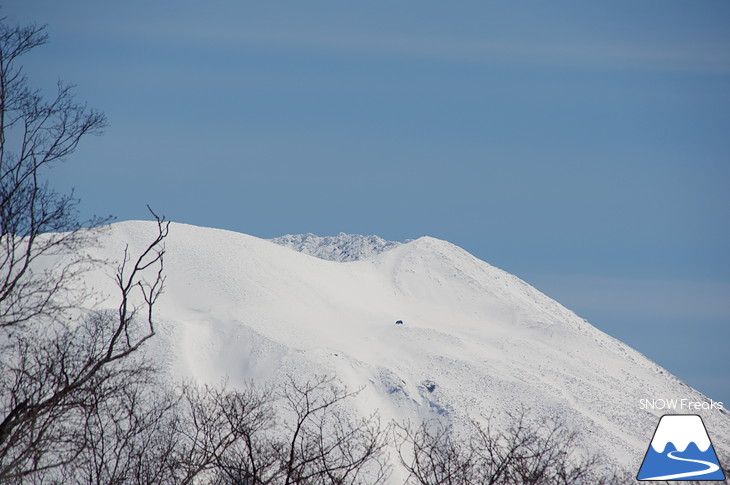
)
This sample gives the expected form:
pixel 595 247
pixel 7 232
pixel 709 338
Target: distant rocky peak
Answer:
pixel 342 247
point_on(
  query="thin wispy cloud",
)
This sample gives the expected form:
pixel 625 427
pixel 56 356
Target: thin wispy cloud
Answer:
pixel 614 54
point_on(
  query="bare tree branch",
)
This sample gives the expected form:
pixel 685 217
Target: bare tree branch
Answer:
pixel 525 453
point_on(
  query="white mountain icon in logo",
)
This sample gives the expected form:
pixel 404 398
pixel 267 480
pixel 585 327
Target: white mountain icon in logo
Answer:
pixel 680 450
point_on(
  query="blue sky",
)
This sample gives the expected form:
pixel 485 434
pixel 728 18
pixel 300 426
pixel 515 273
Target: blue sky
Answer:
pixel 582 146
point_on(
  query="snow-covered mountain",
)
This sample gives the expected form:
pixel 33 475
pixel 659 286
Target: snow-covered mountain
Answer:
pixel 475 340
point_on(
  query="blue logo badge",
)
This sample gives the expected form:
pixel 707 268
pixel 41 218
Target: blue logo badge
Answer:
pixel 680 450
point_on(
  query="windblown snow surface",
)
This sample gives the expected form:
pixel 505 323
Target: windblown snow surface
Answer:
pixel 476 341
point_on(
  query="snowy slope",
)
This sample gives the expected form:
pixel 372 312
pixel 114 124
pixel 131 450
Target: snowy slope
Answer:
pixel 475 341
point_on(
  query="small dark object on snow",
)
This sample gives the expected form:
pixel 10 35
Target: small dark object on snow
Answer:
pixel 399 322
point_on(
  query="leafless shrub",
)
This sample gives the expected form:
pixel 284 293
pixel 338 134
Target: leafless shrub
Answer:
pixel 294 434
pixel 524 453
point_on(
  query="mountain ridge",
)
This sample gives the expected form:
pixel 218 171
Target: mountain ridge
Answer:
pixel 341 248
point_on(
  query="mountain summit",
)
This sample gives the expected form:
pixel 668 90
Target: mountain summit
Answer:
pixel 340 248
pixel 474 341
